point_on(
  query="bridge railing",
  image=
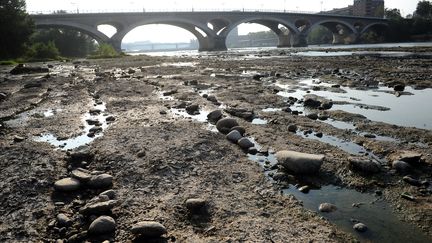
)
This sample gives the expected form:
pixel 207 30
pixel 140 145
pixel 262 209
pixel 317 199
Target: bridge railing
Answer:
pixel 150 10
pixel 180 10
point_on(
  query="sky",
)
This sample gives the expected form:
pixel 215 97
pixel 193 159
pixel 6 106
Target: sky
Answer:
pixel 158 34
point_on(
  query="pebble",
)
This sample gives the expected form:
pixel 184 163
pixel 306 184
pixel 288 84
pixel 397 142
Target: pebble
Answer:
pixel 111 194
pixel 148 229
pixel 17 138
pixel 192 109
pixel 364 165
pixel 252 150
pixel 304 189
pixel 224 125
pixel 410 156
pixel 67 184
pixel 214 116
pixel 360 227
pixel 63 220
pixel 313 116
pixel 240 129
pixel 401 167
pixel 102 225
pixel 195 205
pixel 234 136
pixel 81 174
pixel 292 128
pixel 100 181
pixel 245 143
pixel 110 119
pixel 327 207
pixel 98 207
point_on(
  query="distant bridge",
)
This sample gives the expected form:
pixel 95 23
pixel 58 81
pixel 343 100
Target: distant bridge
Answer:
pixel 212 28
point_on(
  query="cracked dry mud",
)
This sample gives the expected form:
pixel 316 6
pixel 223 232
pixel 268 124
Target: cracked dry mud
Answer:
pixel 159 159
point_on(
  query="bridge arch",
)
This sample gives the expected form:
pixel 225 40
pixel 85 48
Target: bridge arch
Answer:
pixel 92 32
pixel 370 26
pixel 286 39
pixel 337 27
pixel 204 34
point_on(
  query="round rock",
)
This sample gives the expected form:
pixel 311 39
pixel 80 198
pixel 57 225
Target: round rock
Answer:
pixel 67 184
pixel 81 175
pixel 292 128
pixel 240 129
pixel 401 167
pixel 63 220
pixel 300 163
pixel 327 207
pixel 360 227
pixel 195 204
pixel 102 225
pixel 148 229
pixel 101 181
pixel 214 116
pixel 245 143
pixel 234 136
pixel 224 125
pixel 363 165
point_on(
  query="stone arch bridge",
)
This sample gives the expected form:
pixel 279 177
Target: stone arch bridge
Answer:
pixel 212 28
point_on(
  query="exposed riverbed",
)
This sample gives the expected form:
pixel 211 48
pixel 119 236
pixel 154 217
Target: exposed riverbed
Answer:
pixel 144 120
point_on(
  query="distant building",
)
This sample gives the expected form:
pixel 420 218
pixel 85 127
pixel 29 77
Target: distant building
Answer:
pixel 369 8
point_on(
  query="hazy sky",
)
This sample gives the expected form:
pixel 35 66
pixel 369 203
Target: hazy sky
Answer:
pixel 142 33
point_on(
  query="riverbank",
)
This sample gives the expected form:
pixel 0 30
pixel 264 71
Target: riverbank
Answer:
pixel 160 154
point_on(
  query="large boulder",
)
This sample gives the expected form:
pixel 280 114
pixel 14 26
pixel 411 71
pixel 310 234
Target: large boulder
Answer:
pixel 244 113
pixel 300 163
pixel 214 116
pixel 224 125
pixel 364 165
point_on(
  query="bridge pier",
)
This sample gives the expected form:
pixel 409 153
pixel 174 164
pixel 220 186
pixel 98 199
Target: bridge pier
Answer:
pixel 213 43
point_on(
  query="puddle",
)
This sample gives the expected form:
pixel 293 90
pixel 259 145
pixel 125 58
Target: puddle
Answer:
pixel 272 110
pixel 402 111
pixel 22 118
pixel 359 53
pixel 180 64
pixel 82 139
pixel 352 207
pixel 259 121
pixel 383 225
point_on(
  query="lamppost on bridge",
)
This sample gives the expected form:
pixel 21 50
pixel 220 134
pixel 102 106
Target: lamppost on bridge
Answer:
pixel 73 6
pixel 284 6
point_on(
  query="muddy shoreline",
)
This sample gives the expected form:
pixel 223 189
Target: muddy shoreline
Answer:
pixel 145 121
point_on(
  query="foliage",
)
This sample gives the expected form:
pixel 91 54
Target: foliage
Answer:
pixel 70 43
pixel 41 51
pixel 15 28
pixel 402 29
pixel 320 35
pixel 8 63
pixel 105 51
pixel 424 10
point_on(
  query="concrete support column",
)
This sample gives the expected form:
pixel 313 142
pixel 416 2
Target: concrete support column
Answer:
pixel 213 43
pixel 116 44
pixel 299 40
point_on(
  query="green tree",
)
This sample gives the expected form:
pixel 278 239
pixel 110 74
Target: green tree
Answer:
pixel 393 14
pixel 424 10
pixel 320 35
pixel 42 51
pixel 15 28
pixel 70 43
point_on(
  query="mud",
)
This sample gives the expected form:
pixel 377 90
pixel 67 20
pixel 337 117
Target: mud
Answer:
pixel 160 154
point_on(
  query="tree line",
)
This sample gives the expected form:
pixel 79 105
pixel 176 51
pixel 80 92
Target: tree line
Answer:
pixel 20 39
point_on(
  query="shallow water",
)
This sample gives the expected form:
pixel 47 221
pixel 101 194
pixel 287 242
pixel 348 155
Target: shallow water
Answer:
pixel 82 139
pixel 403 111
pixel 383 225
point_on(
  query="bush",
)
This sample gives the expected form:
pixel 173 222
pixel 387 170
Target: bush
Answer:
pixel 8 63
pixel 105 51
pixel 41 51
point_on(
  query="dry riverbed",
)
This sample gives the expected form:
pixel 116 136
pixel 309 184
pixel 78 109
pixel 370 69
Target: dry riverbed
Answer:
pixel 142 160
